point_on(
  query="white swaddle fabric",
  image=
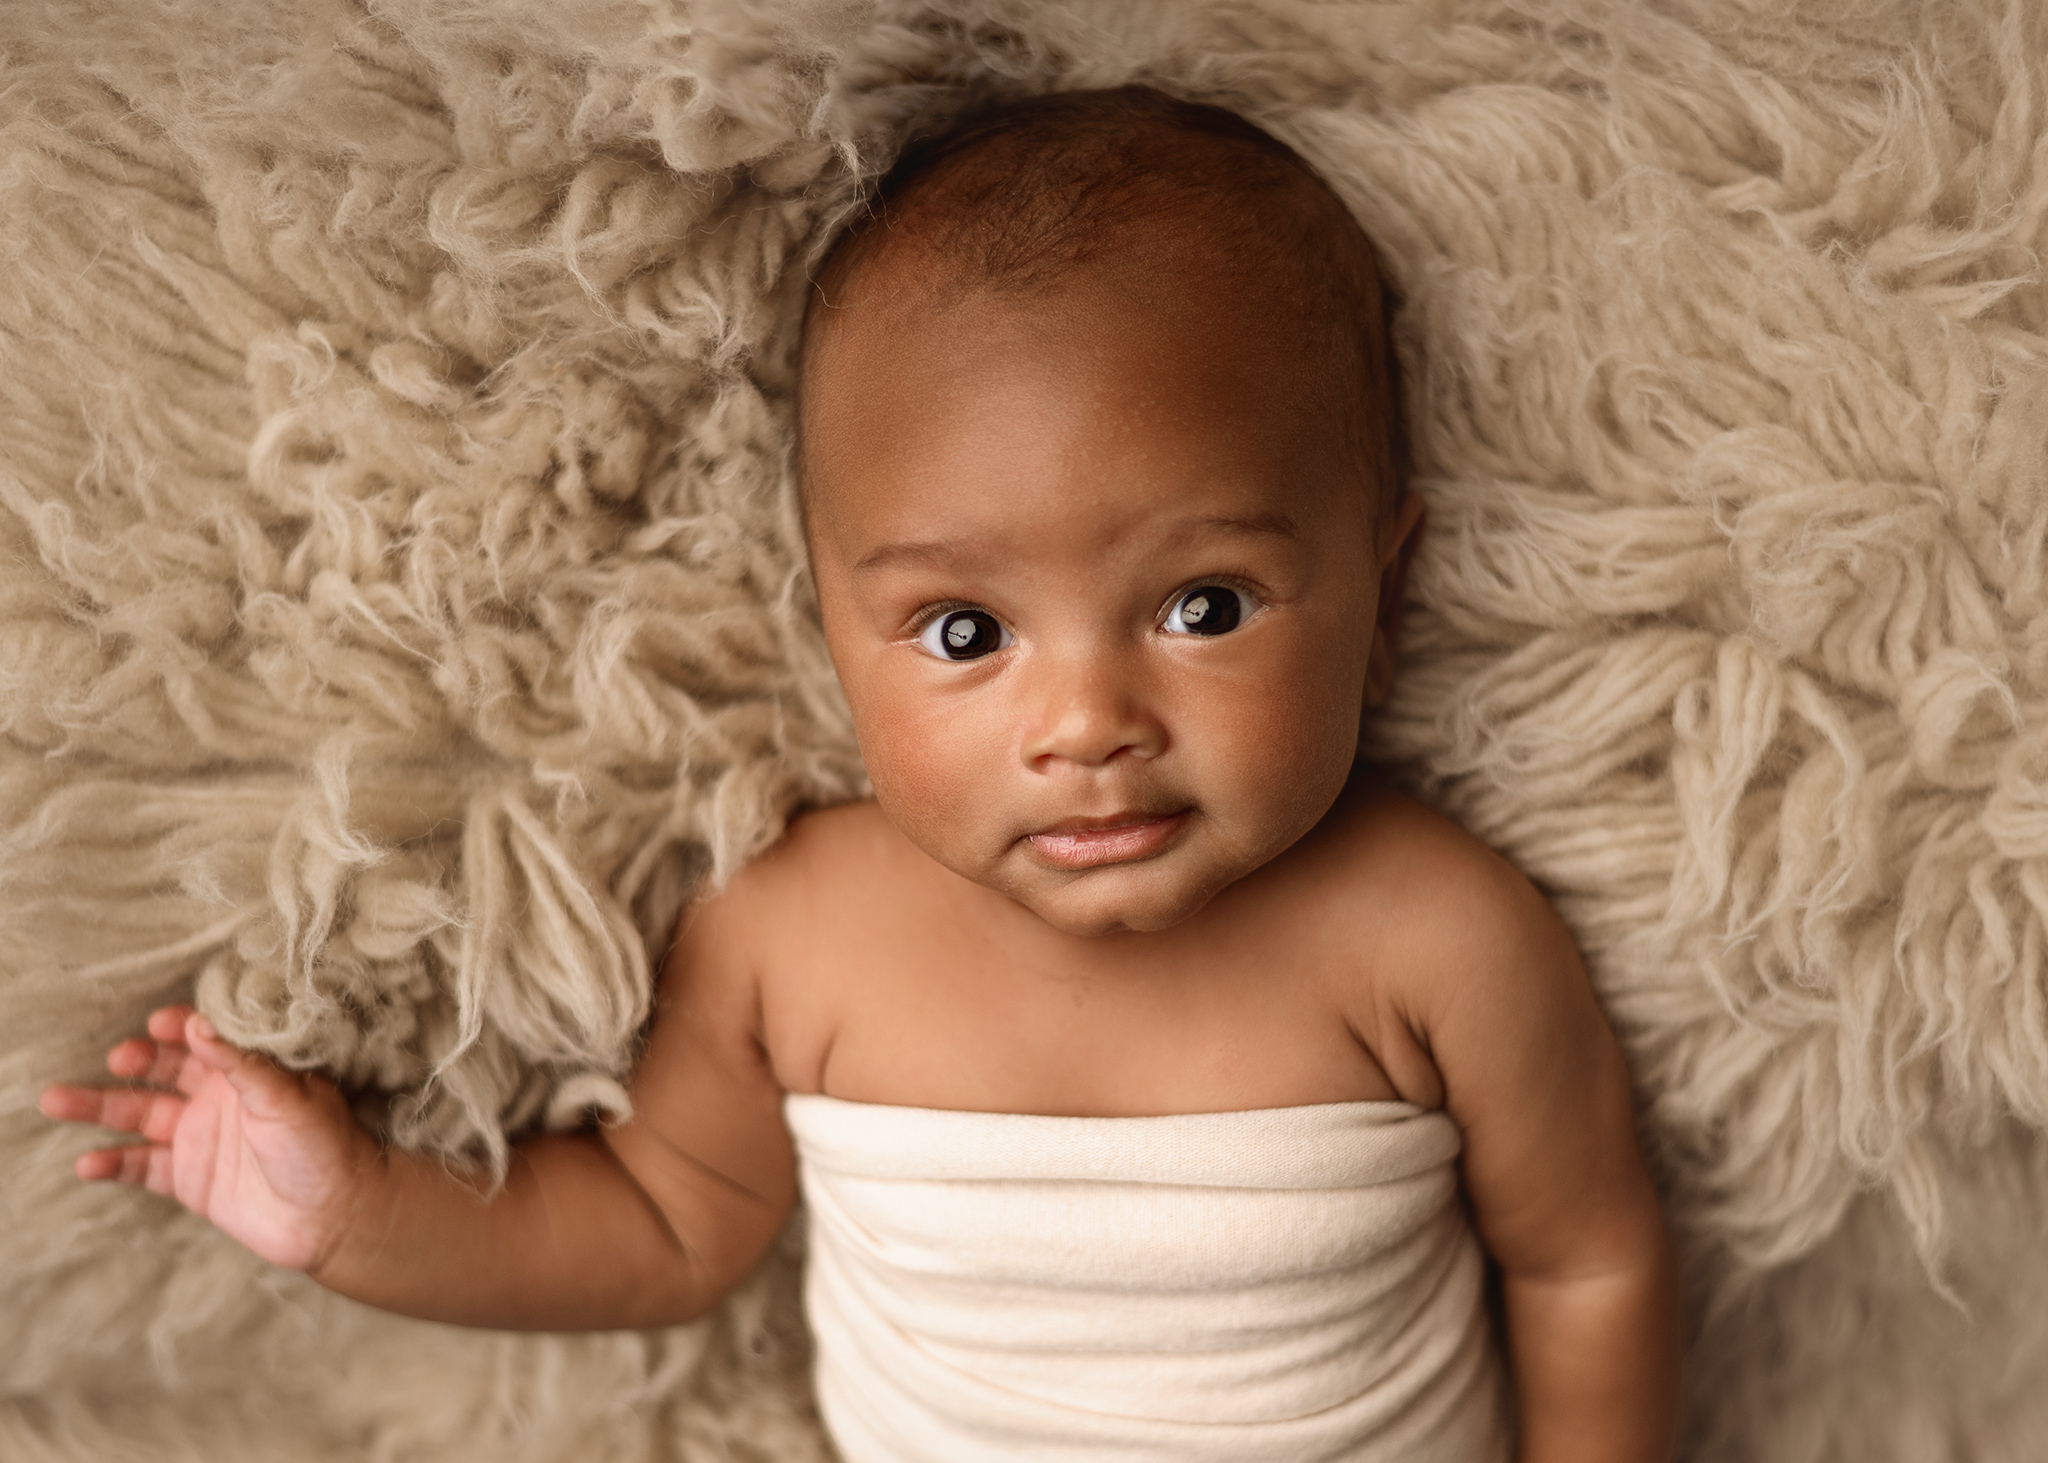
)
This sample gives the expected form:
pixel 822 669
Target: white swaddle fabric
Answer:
pixel 1289 1284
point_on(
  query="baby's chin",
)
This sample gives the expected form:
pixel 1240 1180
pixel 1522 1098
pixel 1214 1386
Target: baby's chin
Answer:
pixel 1140 898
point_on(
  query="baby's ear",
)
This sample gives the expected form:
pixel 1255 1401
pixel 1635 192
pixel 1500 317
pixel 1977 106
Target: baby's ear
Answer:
pixel 1398 537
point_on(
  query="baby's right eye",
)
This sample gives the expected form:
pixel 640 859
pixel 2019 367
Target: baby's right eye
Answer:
pixel 964 635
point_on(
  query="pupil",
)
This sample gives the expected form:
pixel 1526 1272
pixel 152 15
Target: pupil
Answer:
pixel 969 633
pixel 1209 611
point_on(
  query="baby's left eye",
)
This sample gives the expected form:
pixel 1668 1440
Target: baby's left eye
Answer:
pixel 1208 609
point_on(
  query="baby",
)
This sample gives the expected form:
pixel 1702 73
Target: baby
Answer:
pixel 1133 1048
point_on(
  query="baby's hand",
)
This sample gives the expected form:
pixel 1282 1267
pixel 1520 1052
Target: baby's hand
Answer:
pixel 274 1159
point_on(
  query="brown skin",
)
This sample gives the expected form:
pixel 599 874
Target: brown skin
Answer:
pixel 1272 930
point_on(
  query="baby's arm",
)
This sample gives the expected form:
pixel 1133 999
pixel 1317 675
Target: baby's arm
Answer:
pixel 1494 997
pixel 645 1224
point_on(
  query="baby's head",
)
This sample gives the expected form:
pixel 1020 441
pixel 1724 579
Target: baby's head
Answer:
pixel 1097 454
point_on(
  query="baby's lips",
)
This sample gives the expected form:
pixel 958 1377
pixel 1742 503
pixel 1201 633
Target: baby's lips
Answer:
pixel 1078 845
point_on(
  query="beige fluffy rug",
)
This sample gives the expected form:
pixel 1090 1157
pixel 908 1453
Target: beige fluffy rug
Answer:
pixel 400 611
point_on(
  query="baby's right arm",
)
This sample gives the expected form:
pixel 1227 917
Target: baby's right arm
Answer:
pixel 649 1223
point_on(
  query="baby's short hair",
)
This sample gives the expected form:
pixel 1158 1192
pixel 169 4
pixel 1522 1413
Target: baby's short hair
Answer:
pixel 1010 200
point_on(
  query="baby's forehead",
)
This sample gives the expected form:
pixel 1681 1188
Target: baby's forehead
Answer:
pixel 1063 402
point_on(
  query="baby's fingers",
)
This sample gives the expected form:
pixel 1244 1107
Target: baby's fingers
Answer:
pixel 265 1089
pixel 126 1110
pixel 147 1164
pixel 167 1023
pixel 158 1058
pixel 142 1060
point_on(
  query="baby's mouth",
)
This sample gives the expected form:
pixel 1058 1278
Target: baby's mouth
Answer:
pixel 1087 843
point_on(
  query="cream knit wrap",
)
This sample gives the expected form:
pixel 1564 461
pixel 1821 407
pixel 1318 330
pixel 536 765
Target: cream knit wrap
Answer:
pixel 1284 1284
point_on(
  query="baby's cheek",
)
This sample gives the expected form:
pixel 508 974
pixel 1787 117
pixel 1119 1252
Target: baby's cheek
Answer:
pixel 1285 754
pixel 935 772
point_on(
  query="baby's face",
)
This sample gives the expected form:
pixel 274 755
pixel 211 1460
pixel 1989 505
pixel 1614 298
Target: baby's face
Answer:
pixel 1099 583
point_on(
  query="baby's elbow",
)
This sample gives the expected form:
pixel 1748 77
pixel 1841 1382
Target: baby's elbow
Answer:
pixel 711 1233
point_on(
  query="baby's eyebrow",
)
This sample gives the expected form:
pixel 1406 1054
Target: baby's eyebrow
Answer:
pixel 920 552
pixel 1277 525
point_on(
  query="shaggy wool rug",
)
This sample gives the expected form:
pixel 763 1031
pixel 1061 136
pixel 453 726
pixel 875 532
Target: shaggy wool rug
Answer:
pixel 402 611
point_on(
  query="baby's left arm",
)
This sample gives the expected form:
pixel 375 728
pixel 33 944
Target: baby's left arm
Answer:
pixel 1493 994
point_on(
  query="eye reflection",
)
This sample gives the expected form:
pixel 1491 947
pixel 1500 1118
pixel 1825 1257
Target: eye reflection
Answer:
pixel 964 635
pixel 1207 609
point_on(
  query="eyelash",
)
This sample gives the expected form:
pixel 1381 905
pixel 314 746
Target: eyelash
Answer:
pixel 1228 581
pixel 923 618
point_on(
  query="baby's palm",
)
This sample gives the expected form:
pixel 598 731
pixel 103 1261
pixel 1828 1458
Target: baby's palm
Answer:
pixel 270 1158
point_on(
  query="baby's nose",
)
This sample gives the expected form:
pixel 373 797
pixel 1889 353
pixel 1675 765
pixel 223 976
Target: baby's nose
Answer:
pixel 1088 710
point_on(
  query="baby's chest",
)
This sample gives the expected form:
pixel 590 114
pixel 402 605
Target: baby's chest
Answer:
pixel 1020 1034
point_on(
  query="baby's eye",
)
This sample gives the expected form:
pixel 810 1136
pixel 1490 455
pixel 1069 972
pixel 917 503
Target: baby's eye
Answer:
pixel 1208 609
pixel 964 635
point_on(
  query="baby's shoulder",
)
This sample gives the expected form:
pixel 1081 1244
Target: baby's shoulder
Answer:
pixel 1435 946
pixel 1383 838
pixel 1427 896
pixel 829 853
pixel 816 887
pixel 829 865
